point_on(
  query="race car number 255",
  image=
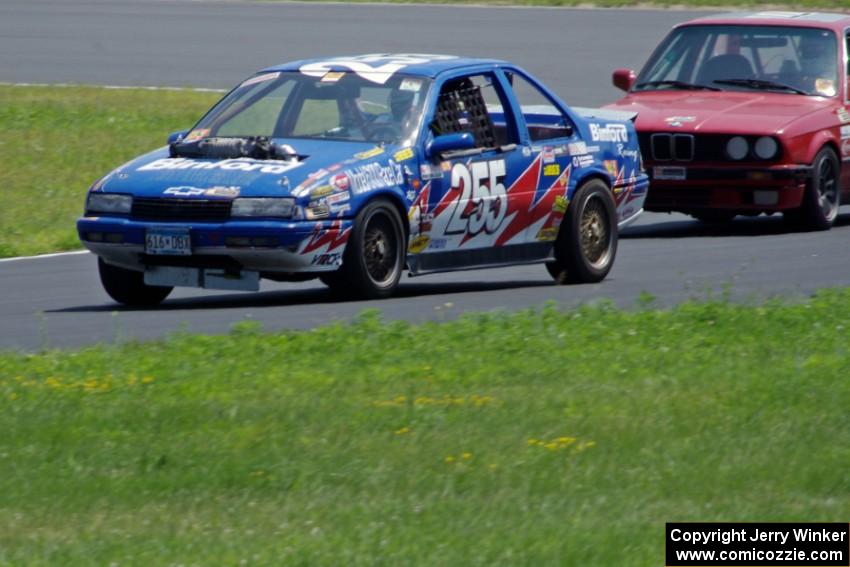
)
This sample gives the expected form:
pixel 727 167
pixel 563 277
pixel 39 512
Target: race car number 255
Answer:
pixel 168 242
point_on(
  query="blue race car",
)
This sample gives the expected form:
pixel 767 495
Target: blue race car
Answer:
pixel 354 169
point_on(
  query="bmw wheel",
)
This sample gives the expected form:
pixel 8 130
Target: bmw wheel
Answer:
pixel 374 257
pixel 822 197
pixel 587 241
pixel 128 286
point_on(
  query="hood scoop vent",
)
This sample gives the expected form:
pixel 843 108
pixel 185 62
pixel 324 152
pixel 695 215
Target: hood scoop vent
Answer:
pixel 253 147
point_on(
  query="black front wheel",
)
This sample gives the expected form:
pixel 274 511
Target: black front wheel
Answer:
pixel 128 286
pixel 374 256
pixel 819 208
pixel 587 240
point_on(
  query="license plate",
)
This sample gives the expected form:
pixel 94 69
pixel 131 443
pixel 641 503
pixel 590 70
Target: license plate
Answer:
pixel 669 173
pixel 168 242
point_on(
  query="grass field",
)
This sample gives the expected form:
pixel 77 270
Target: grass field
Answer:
pixel 55 142
pixel 541 438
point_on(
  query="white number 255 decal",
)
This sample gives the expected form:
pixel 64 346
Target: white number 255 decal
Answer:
pixel 483 201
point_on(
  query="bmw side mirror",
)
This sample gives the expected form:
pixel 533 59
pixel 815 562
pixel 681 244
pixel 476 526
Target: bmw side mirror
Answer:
pixel 175 137
pixel 624 79
pixel 449 143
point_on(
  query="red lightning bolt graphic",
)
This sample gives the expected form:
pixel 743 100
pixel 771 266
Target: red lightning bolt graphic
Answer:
pixel 422 199
pixel 522 211
pixel 334 237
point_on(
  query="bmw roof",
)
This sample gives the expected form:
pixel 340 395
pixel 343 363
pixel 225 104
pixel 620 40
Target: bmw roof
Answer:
pixel 422 64
pixel 777 17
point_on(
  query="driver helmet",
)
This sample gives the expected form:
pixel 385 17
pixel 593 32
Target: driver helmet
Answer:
pixel 814 54
pixel 400 103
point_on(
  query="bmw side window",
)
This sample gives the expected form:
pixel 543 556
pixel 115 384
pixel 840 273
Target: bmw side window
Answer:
pixel 474 104
pixel 544 120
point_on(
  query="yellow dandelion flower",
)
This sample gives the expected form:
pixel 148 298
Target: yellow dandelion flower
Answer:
pixel 532 442
pixel 467 455
pixel 402 430
pixel 551 446
pixel 566 440
pixel 449 460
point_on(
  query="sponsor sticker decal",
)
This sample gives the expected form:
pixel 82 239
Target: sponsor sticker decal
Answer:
pixel 376 151
pixel 845 132
pixel 247 165
pixel 577 148
pixel 403 155
pixel 843 115
pixel 228 192
pixel 560 204
pixel 428 172
pixel 321 191
pixel 197 134
pixel 332 76
pixel 678 121
pixel 582 161
pixel 373 176
pixel 547 234
pixel 826 87
pixel 340 182
pixel 609 133
pixel 419 244
pixel 552 169
pixel 412 85
pixel 437 243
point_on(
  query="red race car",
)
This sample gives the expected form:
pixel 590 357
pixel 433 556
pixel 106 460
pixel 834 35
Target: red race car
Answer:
pixel 746 113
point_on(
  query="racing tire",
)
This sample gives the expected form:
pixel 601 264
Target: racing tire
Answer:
pixel 587 240
pixel 822 197
pixel 374 256
pixel 129 287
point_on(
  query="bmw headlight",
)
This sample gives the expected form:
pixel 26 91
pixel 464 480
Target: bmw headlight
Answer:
pixel 766 147
pixel 737 148
pixel 101 203
pixel 262 207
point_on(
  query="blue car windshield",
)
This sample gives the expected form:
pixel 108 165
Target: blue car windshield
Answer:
pixel 335 106
pixel 782 59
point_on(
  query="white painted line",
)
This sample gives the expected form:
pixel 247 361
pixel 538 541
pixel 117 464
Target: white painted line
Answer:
pixel 55 254
pixel 116 87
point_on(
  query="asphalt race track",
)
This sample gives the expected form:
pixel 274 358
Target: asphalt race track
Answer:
pixel 57 301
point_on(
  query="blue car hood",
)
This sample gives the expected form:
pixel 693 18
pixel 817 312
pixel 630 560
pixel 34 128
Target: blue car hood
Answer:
pixel 156 174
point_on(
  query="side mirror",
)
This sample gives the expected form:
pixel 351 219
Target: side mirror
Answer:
pixel 624 79
pixel 449 143
pixel 175 137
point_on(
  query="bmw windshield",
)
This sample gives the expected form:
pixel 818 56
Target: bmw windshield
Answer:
pixel 783 59
pixel 336 106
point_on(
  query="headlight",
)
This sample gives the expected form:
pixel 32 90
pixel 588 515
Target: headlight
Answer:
pixel 766 147
pixel 108 203
pixel 737 148
pixel 262 207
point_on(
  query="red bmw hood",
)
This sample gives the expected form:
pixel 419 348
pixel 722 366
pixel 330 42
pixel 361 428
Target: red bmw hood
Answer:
pixel 719 112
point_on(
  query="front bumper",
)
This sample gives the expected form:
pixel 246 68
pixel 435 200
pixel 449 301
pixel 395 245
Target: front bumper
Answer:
pixel 274 247
pixel 718 186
